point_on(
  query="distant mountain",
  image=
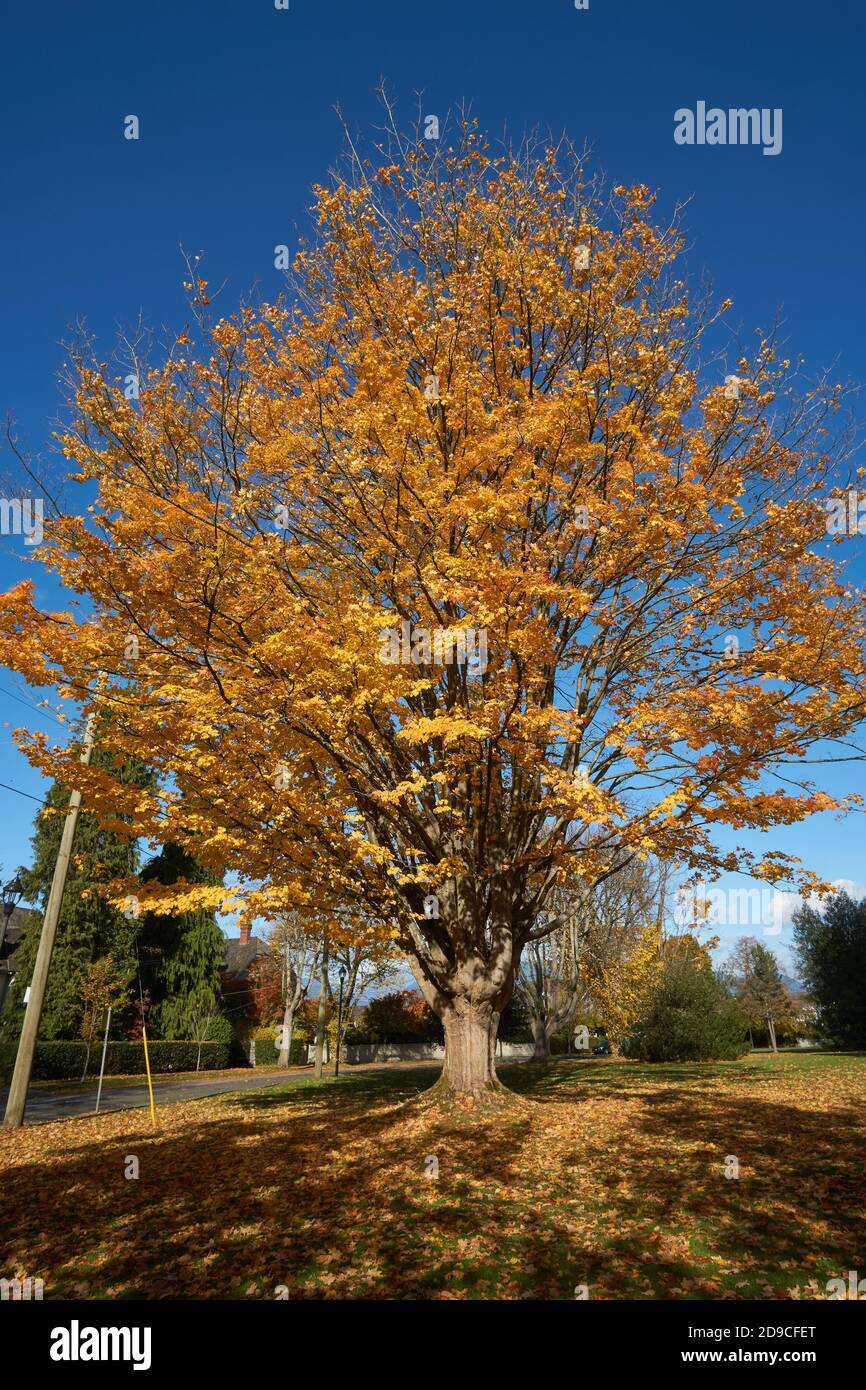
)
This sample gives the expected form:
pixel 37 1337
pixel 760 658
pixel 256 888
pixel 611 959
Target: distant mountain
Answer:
pixel 790 983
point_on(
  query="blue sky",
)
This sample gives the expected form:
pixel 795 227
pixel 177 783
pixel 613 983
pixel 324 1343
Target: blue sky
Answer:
pixel 235 101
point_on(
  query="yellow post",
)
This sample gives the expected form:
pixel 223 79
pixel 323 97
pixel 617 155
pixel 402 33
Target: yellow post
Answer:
pixel 147 1065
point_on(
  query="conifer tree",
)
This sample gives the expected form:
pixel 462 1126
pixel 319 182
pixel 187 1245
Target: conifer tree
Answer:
pixel 831 950
pixel 180 954
pixel 759 986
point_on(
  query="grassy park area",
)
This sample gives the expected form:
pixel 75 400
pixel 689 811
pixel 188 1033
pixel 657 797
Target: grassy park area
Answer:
pixel 604 1174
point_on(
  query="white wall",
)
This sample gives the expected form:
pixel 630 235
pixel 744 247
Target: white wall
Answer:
pixel 356 1053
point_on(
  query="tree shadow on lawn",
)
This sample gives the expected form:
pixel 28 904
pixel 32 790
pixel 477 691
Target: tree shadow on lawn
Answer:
pixel 798 1199
pixel 345 1089
pixel 573 1080
pixel 230 1203
pixel 331 1200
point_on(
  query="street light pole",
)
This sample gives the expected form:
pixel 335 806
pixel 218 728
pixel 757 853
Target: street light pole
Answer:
pixel 14 1116
pixel 13 892
pixel 339 1021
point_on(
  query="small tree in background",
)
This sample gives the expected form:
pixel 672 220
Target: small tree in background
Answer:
pixel 549 981
pixel 515 1025
pixel 402 1016
pixel 297 955
pixel 89 927
pixel 136 1015
pixel 620 989
pixel 265 990
pixel 549 984
pixel 211 1027
pixel 103 986
pixel 757 983
pixel 367 965
pixel 597 931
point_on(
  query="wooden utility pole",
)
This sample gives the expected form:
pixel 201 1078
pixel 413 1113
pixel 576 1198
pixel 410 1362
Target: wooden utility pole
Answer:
pixel 14 1116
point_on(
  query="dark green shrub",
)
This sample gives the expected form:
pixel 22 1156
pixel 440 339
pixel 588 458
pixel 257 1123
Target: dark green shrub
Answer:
pixel 691 1018
pixel 218 1029
pixel 514 1025
pixel 354 1034
pixel 402 1016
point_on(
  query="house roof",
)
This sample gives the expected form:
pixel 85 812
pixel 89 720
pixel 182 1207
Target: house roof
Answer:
pixel 239 955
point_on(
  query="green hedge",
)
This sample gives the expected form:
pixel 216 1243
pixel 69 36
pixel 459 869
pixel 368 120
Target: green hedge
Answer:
pixel 55 1061
pixel 267 1051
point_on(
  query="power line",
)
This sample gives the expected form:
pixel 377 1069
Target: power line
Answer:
pixel 40 800
pixel 40 709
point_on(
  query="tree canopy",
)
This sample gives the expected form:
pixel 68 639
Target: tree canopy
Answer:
pixel 486 433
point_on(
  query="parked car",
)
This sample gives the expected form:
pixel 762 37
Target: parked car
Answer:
pixel 602 1049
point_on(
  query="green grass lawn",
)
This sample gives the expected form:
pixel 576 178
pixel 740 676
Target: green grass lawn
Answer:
pixel 65 1087
pixel 613 1178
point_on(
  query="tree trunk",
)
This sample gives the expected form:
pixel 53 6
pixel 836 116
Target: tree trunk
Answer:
pixel 468 1000
pixel 320 1019
pixel 541 1039
pixel 771 1029
pixel 469 1069
pixel 89 1042
pixel 286 1036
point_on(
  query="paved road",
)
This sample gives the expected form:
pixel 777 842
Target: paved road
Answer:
pixel 59 1105
pixel 43 1105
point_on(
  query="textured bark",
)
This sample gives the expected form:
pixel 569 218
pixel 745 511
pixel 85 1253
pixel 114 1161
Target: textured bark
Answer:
pixel 320 1017
pixel 469 1068
pixel 286 1035
pixel 467 986
pixel 541 1041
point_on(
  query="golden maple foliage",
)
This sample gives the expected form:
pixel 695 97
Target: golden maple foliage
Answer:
pixel 483 406
pixel 621 988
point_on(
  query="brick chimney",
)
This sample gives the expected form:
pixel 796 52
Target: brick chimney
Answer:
pixel 245 934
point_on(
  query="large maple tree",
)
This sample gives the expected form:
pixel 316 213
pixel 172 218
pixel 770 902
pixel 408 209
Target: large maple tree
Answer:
pixel 487 404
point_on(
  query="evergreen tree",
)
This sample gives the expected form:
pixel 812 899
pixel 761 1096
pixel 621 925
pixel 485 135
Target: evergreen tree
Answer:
pixel 89 927
pixel 831 949
pixel 757 982
pixel 180 955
